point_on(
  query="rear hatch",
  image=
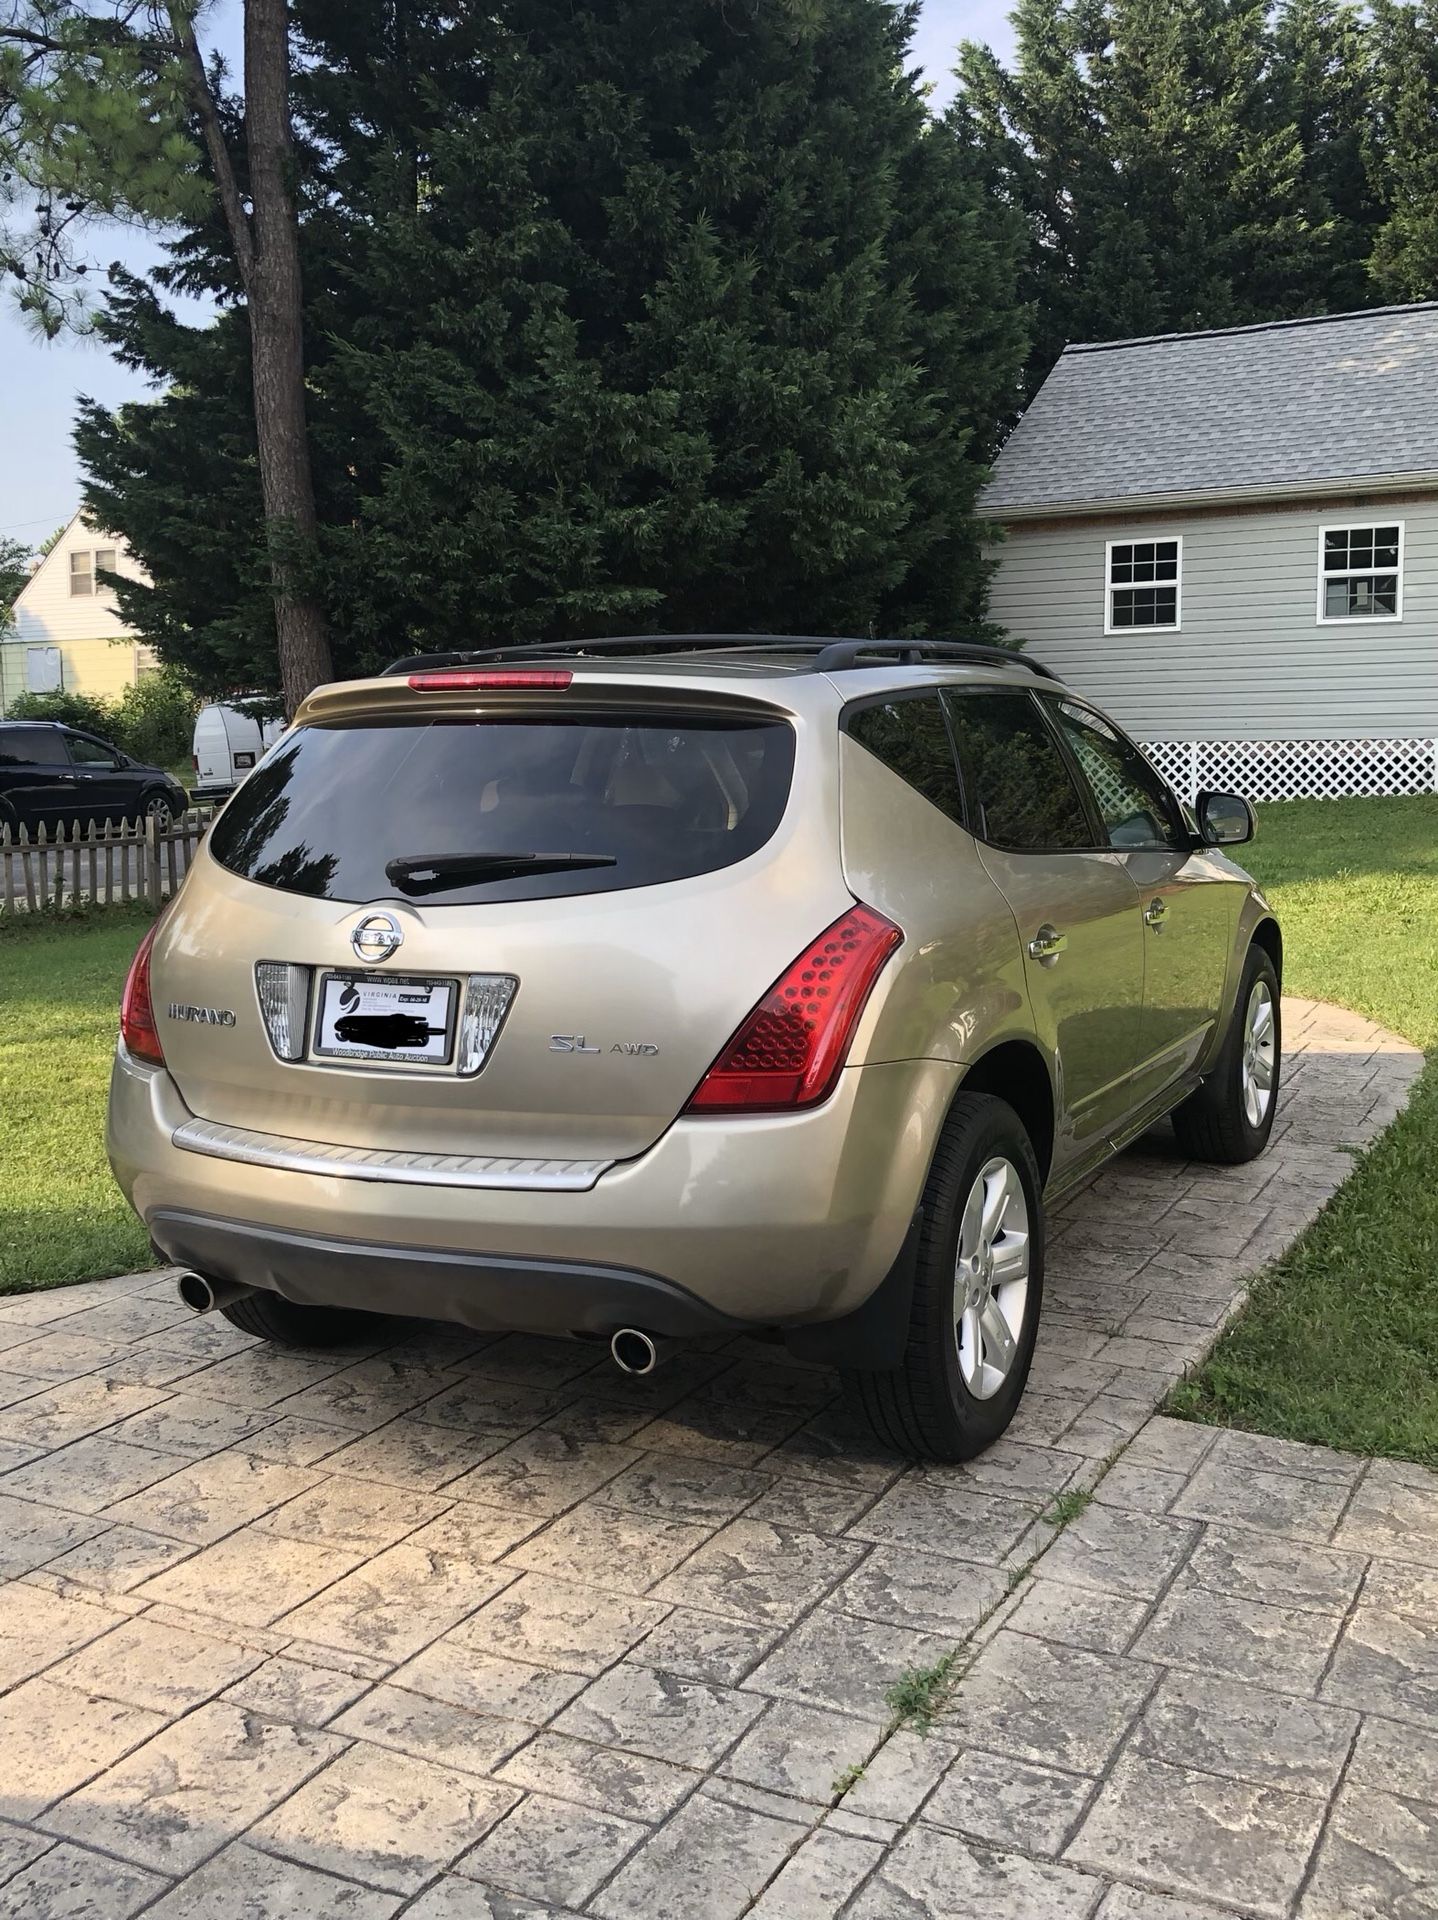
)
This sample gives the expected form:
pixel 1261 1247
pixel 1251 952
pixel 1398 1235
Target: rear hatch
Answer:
pixel 591 883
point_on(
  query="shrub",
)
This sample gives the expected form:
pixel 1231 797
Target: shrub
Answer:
pixel 154 720
pixel 70 709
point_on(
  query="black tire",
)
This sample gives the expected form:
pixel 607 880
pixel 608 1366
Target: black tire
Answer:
pixel 1212 1124
pixel 923 1407
pixel 269 1316
pixel 158 807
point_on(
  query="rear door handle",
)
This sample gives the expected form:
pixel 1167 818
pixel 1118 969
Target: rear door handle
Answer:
pixel 1155 913
pixel 1048 943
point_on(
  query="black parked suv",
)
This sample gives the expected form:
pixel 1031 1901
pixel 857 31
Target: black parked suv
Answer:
pixel 51 775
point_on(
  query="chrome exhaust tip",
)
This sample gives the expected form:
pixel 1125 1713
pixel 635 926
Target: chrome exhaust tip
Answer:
pixel 635 1352
pixel 205 1296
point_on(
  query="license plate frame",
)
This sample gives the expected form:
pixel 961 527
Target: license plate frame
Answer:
pixel 381 994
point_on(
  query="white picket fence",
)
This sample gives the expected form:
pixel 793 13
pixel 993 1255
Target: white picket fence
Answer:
pixel 63 866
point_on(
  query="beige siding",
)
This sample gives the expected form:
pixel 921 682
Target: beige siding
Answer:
pixel 101 668
pixel 1252 660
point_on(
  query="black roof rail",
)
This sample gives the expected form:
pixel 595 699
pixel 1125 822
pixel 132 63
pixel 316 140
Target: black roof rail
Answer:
pixel 830 655
pixel 614 643
pixel 841 655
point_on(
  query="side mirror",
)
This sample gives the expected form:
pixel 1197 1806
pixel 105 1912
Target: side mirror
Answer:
pixel 1224 819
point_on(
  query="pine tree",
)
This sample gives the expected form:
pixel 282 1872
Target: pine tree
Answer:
pixel 109 107
pixel 1403 148
pixel 651 316
pixel 1324 77
pixel 1157 162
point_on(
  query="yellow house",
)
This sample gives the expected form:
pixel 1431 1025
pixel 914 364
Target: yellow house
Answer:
pixel 66 634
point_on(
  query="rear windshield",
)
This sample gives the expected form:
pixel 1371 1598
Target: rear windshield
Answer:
pixel 459 811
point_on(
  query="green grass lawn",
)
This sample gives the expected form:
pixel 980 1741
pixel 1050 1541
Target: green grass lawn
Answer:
pixel 1339 1344
pixel 61 1215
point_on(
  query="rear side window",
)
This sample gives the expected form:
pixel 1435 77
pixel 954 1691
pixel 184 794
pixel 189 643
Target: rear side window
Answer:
pixel 1021 793
pixel 462 811
pixel 911 737
pixel 32 747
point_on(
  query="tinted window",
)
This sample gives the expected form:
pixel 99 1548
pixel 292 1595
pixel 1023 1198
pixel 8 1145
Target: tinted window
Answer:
pixel 89 753
pixel 911 739
pixel 434 809
pixel 1132 801
pixel 1021 793
pixel 31 747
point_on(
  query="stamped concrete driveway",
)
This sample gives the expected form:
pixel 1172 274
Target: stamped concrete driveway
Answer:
pixel 477 1629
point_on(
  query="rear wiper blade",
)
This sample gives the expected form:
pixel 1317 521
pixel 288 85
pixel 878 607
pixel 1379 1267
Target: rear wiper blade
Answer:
pixel 437 872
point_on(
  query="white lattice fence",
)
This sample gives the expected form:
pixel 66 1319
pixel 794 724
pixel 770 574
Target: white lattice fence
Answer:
pixel 1297 769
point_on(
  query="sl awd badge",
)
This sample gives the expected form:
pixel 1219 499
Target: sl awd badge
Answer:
pixel 577 1043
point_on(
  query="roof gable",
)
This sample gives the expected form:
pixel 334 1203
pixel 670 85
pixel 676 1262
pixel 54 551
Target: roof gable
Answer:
pixel 1292 406
pixel 63 544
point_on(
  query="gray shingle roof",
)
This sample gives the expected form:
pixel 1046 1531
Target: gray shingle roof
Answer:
pixel 1246 410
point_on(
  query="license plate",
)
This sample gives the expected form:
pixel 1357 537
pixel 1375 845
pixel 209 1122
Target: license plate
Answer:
pixel 396 1019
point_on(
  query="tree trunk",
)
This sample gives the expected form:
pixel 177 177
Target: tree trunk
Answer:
pixel 276 312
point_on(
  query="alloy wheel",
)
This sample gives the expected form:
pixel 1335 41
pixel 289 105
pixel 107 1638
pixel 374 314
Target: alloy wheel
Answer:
pixel 991 1277
pixel 1259 1053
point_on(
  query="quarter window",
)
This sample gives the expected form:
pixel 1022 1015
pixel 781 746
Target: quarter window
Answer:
pixel 1021 793
pixel 911 737
pixel 1360 573
pixel 1143 585
pixel 1132 801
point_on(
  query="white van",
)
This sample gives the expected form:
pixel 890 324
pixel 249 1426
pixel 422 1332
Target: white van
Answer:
pixel 229 741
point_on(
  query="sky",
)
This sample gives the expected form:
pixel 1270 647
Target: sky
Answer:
pixel 40 381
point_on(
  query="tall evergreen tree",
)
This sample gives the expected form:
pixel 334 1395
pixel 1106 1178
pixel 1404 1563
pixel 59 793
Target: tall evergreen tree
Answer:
pixel 1177 163
pixel 1403 148
pixel 107 106
pixel 1324 79
pixel 656 315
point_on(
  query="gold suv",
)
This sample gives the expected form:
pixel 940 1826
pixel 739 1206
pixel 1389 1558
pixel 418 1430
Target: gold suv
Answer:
pixel 655 988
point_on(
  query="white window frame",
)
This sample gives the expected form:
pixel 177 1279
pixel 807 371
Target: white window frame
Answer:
pixel 1146 538
pixel 1326 619
pixel 77 592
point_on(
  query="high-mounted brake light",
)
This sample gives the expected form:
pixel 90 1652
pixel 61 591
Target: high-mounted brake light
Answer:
pixel 137 1016
pixel 789 1051
pixel 528 678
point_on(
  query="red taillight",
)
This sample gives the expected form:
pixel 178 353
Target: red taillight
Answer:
pixel 137 1017
pixel 789 1051
pixel 195 761
pixel 528 678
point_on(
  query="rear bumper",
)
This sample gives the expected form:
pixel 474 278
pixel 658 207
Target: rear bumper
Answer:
pixel 780 1220
pixel 485 1291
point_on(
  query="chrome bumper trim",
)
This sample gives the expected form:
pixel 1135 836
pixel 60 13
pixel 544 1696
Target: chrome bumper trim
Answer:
pixel 378 1163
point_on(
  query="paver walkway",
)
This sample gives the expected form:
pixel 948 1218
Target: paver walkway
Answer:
pixel 477 1629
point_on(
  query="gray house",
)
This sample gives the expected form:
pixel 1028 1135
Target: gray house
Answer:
pixel 1230 540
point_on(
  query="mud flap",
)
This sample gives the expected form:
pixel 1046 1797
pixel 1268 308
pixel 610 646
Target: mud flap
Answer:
pixel 872 1336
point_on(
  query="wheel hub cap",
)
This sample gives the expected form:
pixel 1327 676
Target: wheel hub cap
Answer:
pixel 991 1278
pixel 1260 1049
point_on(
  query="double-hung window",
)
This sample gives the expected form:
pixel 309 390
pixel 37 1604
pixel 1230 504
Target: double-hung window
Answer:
pixel 1360 572
pixel 86 567
pixel 1143 591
